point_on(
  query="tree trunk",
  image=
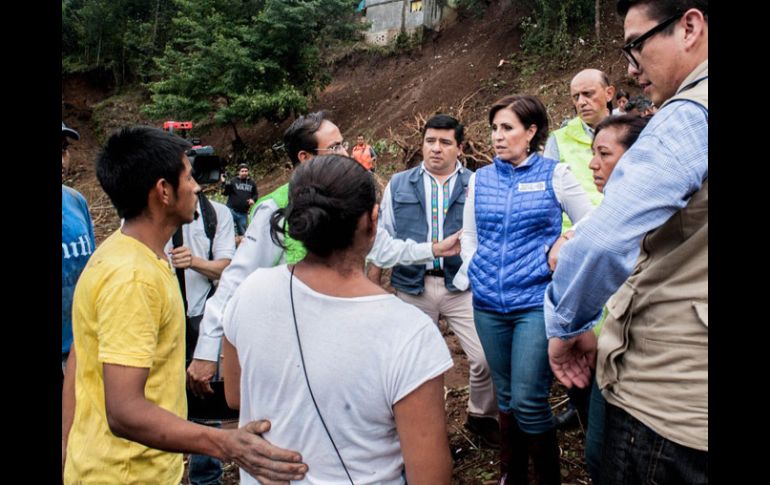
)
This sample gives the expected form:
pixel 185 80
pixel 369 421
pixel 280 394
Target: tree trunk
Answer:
pixel 597 14
pixel 155 24
pixel 238 145
pixel 99 50
pixel 235 132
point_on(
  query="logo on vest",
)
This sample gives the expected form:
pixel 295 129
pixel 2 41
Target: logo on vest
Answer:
pixel 532 187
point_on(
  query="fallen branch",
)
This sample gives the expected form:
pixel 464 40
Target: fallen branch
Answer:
pixel 462 433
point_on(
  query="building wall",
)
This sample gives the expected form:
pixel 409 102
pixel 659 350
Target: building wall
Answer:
pixel 386 17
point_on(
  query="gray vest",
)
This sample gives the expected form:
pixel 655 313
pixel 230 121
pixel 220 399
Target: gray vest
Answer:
pixel 408 194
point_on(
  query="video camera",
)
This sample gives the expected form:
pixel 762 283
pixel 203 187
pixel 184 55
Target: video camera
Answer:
pixel 206 167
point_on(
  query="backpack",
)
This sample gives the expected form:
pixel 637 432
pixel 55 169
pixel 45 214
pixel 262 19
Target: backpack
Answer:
pixel 209 215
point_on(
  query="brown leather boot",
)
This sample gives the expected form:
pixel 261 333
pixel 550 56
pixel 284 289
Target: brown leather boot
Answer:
pixel 513 452
pixel 544 450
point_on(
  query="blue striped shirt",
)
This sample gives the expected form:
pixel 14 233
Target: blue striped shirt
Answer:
pixel 651 182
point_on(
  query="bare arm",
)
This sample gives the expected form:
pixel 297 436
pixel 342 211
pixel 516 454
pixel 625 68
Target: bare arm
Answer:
pixel 231 373
pixel 183 258
pixel 449 246
pixel 210 269
pixel 199 375
pixel 421 426
pixel 131 416
pixel 553 253
pixel 68 403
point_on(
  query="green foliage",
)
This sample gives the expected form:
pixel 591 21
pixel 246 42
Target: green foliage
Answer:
pixel 470 8
pixel 555 25
pixel 405 42
pixel 385 146
pixel 242 61
pixel 118 37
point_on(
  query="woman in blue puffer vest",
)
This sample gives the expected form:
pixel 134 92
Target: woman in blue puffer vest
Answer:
pixel 512 216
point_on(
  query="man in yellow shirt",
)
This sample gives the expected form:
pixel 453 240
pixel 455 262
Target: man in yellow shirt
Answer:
pixel 124 392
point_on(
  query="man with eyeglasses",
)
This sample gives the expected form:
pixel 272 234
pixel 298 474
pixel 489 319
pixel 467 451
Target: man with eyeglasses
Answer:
pixel 647 244
pixel 308 136
pixel 77 242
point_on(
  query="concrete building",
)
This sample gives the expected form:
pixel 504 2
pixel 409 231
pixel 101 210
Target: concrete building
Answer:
pixel 389 17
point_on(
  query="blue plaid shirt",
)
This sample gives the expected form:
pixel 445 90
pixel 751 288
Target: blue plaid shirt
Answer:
pixel 652 181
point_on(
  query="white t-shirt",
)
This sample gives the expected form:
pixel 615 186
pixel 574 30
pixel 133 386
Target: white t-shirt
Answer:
pixel 197 286
pixel 362 356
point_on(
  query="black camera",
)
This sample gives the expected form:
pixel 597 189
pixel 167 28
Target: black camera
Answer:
pixel 206 167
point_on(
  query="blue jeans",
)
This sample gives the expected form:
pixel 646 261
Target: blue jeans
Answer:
pixel 204 469
pixel 635 454
pixel 241 220
pixel 517 352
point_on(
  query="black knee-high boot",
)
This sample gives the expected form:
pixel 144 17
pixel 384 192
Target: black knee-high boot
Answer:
pixel 513 452
pixel 544 450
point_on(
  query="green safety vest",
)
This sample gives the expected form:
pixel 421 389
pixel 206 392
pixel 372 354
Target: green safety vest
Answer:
pixel 295 250
pixel 575 150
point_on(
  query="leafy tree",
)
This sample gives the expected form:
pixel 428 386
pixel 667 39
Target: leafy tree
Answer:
pixel 119 37
pixel 242 61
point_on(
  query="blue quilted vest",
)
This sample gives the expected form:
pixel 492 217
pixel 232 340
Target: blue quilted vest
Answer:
pixel 408 193
pixel 517 217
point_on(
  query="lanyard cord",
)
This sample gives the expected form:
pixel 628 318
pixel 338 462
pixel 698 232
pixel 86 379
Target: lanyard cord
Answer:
pixel 304 370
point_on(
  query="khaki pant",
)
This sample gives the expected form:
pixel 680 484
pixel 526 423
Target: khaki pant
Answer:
pixel 457 308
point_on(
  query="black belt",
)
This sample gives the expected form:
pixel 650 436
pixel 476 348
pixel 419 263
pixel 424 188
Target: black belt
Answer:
pixel 435 272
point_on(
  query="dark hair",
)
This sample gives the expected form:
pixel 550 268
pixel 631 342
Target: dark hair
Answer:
pixel 621 94
pixel 530 111
pixel 629 127
pixel 659 10
pixel 300 136
pixel 242 165
pixel 605 82
pixel 327 196
pixel 133 160
pixel 445 122
pixel 638 102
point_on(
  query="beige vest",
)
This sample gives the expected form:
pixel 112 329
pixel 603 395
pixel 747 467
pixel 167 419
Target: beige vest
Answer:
pixel 653 350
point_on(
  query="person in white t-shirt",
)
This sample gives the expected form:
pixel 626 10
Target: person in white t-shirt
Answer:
pixel 350 375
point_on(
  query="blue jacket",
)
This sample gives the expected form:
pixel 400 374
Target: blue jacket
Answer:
pixel 408 193
pixel 517 218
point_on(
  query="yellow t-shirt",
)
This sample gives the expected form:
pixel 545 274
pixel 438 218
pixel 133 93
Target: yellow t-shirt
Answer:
pixel 127 310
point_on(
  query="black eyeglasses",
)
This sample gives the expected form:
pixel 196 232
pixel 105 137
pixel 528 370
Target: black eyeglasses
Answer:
pixel 638 43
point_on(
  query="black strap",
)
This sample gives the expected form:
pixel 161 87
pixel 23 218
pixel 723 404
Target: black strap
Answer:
pixel 209 215
pixel 307 379
pixel 178 240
